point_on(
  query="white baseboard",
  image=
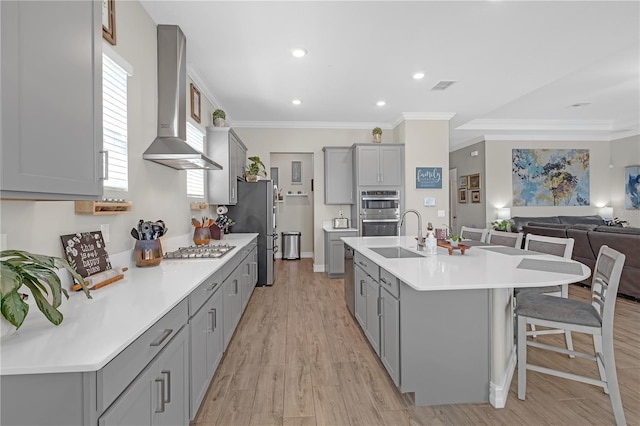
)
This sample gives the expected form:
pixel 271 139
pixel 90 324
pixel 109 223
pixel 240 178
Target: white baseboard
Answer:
pixel 306 255
pixel 318 268
pixel 498 393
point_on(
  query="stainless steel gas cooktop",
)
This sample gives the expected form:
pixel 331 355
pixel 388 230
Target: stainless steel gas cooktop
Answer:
pixel 208 251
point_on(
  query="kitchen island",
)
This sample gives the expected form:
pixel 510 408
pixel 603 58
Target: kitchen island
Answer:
pixel 141 351
pixel 442 325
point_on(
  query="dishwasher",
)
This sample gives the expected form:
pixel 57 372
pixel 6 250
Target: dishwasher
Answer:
pixel 349 280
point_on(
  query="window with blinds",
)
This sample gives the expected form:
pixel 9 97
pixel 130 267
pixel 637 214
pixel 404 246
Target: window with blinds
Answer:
pixel 195 178
pixel 114 123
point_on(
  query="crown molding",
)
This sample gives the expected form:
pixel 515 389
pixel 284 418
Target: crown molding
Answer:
pixel 548 137
pixel 428 115
pixel 310 125
pixel 539 125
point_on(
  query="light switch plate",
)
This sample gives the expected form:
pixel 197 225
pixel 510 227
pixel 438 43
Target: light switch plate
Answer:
pixel 429 202
pixel 104 228
pixel 441 213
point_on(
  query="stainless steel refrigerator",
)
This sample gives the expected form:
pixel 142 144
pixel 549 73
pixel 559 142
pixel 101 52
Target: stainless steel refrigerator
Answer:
pixel 256 212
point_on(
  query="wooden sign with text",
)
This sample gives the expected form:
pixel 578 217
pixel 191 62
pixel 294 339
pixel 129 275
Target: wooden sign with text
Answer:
pixel 86 252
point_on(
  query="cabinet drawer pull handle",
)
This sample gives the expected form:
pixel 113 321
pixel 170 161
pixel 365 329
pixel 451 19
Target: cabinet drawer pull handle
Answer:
pixel 167 373
pixel 212 287
pixel 161 395
pixel 166 333
pixel 212 326
pixel 382 280
pixel 362 263
pixel 215 319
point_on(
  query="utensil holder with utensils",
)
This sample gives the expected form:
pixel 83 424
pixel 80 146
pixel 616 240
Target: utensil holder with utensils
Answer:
pixel 148 252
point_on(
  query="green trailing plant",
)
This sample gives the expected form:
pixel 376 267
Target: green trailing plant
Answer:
pixel 501 225
pixel 256 167
pixel 219 114
pixel 376 131
pixel 37 273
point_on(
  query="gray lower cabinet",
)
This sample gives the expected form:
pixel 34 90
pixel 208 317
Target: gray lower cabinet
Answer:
pixel 372 330
pixel 338 175
pixel 232 302
pixel 206 348
pixel 334 252
pixel 390 334
pixel 51 83
pixel 159 396
pixel 360 278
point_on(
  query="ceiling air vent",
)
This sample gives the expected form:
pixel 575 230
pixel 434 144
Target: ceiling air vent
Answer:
pixel 443 85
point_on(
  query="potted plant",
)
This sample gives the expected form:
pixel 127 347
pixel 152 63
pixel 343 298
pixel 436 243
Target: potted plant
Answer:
pixel 501 225
pixel 218 118
pixel 377 134
pixel 36 273
pixel 454 239
pixel 255 169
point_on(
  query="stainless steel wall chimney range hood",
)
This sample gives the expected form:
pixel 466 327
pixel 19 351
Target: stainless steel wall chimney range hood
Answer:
pixel 170 147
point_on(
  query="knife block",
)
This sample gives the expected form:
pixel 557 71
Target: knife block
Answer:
pixel 148 252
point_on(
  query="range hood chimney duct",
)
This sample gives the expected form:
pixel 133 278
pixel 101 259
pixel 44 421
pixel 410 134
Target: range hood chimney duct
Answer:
pixel 170 147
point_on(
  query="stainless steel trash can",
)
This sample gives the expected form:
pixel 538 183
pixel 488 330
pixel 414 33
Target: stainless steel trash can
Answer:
pixel 291 245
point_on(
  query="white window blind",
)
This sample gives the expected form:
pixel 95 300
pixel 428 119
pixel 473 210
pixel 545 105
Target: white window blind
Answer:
pixel 195 178
pixel 114 123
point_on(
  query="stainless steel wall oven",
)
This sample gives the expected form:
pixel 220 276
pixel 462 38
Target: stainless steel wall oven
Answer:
pixel 379 212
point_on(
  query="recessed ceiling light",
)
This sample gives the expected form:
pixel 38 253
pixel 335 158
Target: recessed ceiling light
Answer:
pixel 381 103
pixel 418 75
pixel 296 101
pixel 299 53
pixel 579 105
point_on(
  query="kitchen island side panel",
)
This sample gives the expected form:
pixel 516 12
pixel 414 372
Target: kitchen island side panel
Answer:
pixel 445 345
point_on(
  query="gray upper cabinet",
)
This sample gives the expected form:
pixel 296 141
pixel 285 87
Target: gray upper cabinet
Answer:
pixel 225 148
pixel 51 100
pixel 379 164
pixel 338 175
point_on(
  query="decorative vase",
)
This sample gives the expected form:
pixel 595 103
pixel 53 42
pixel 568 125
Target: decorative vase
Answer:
pixel 148 252
pixel 453 243
pixel 216 232
pixel 218 122
pixel 252 178
pixel 201 236
pixel 377 138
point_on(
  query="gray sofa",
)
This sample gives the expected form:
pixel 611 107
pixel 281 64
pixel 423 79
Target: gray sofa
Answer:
pixel 589 237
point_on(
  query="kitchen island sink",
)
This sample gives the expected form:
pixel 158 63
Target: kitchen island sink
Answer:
pixel 395 252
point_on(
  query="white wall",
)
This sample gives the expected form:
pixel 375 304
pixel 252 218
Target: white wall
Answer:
pixel 295 213
pixel 263 142
pixel 624 152
pixel 471 214
pixel 498 177
pixel 157 192
pixel 426 145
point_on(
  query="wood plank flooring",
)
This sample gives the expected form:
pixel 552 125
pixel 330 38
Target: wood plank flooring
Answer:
pixel 299 358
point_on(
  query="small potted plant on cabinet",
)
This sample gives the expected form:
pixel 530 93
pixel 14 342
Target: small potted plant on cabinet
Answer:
pixel 377 134
pixel 255 169
pixel 218 118
pixel 37 273
pixel 454 239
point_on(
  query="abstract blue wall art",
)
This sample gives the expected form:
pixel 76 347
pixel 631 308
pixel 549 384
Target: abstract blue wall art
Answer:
pixel 632 187
pixel 550 177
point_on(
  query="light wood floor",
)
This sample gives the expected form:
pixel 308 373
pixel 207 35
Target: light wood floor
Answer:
pixel 299 358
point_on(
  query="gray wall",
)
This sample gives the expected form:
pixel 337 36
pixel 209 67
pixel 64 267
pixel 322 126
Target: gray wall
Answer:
pixel 471 214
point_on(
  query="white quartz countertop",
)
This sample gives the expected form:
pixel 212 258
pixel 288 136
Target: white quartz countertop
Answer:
pixel 328 227
pixel 478 268
pixel 95 330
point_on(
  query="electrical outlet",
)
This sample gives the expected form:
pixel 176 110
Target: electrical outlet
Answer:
pixel 441 213
pixel 104 228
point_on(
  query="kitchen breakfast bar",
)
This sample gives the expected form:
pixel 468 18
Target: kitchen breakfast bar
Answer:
pixel 442 325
